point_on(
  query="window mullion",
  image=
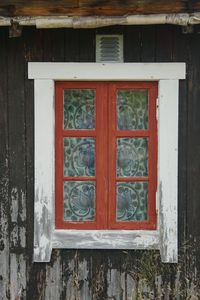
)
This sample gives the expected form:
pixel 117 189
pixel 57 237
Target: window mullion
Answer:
pixel 102 156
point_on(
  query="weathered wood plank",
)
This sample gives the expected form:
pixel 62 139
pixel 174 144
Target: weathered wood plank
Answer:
pixel 36 273
pixel 132 50
pixel 44 169
pixel 33 52
pixel 77 271
pixel 94 7
pixel 193 132
pixel 180 53
pixel 54 50
pixel 168 169
pixel 17 171
pixel 164 52
pixel 16 140
pixel 72 46
pixel 54 45
pixel 116 284
pixel 164 44
pixel 17 276
pixel 87 53
pixel 4 172
pixel 148 44
pixel 193 161
pixel 36 281
pixel 53 286
pixel 105 239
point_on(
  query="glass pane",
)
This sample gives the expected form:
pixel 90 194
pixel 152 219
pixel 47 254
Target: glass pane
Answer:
pixel 132 109
pixel 79 201
pixel 79 156
pixel 132 201
pixel 79 109
pixel 132 157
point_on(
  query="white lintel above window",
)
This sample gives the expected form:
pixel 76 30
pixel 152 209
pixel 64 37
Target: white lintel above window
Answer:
pixel 165 238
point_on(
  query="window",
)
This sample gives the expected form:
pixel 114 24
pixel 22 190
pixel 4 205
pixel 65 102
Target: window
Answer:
pixel 112 81
pixel 106 155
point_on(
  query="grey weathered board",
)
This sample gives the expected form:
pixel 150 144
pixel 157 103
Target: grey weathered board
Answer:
pixel 92 274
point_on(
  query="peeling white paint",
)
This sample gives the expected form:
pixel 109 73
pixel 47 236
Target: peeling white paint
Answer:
pixel 54 283
pixel 22 236
pixel 14 204
pixel 22 211
pixel 44 173
pixel 115 282
pixel 105 239
pixel 168 168
pixel 77 281
pixel 17 276
pixel 14 236
pixel 4 252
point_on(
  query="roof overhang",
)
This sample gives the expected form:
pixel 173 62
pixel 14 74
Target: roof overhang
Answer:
pixel 14 8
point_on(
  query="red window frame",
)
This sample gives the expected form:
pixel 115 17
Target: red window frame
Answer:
pixel 106 134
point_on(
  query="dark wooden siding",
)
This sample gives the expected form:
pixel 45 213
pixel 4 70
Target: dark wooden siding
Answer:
pixel 92 274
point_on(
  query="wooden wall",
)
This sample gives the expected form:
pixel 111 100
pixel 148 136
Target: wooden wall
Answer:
pixel 92 274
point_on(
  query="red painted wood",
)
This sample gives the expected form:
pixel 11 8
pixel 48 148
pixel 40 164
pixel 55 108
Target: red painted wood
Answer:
pixel 129 133
pixel 79 133
pixel 151 133
pixel 80 178
pixel 127 179
pixel 100 153
pixel 105 135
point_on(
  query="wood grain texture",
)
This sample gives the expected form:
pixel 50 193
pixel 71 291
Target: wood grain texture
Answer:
pixel 17 171
pixel 193 147
pixel 44 169
pixel 4 171
pixel 94 7
pixel 168 169
pixel 132 50
pixel 105 239
pixel 148 43
pixel 180 53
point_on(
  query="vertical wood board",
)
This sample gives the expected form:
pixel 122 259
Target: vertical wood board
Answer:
pixel 17 170
pixel 168 168
pixel 4 174
pixel 44 169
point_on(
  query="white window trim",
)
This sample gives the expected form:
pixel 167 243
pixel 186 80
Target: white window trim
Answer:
pixel 46 237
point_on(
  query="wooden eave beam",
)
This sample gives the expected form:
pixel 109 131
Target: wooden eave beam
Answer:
pixel 12 8
pixel 98 21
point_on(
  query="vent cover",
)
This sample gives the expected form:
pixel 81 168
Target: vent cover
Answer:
pixel 109 48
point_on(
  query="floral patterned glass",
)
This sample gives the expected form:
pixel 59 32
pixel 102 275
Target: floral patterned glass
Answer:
pixel 79 156
pixel 79 109
pixel 132 109
pixel 132 201
pixel 79 201
pixel 132 157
